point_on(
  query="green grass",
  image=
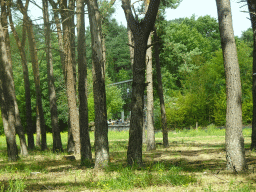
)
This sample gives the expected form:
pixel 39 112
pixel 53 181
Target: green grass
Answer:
pixel 178 171
pixel 125 178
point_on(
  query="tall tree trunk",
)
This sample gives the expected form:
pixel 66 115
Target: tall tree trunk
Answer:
pixel 86 154
pixel 235 153
pixel 71 144
pixel 140 31
pixel 131 44
pixel 34 58
pixel 71 7
pixel 160 91
pixel 104 52
pixel 21 46
pixel 69 74
pixel 57 145
pixel 18 125
pixel 101 127
pixel 150 98
pixel 252 9
pixel 59 33
pixel 6 100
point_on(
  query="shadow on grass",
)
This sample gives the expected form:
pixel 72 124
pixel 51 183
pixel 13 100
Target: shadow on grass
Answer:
pixel 55 186
pixel 188 159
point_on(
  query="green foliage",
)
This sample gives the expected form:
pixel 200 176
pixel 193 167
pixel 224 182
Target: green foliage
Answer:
pixel 247 36
pixel 193 64
pixel 181 45
pixel 118 54
pixel 208 27
pixel 113 98
pixel 114 101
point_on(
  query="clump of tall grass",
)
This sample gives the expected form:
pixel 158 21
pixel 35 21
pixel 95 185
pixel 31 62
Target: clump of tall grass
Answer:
pixel 16 185
pixel 126 178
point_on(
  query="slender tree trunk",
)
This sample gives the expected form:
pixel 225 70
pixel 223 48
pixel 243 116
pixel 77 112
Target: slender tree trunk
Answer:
pixel 57 145
pixel 71 7
pixel 140 31
pixel 69 74
pixel 34 58
pixel 144 136
pixel 101 127
pixel 71 144
pixel 104 51
pixel 252 9
pixel 59 33
pixel 160 91
pixel 150 96
pixel 235 153
pixel 6 100
pixel 150 99
pixel 20 46
pixel 18 125
pixel 131 43
pixel 38 128
pixel 35 66
pixel 86 154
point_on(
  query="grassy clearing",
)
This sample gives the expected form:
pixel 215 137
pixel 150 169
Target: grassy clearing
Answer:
pixel 194 161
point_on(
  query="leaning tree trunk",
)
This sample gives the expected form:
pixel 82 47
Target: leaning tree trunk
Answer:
pixel 160 91
pixel 86 154
pixel 140 31
pixel 57 145
pixel 235 153
pixel 99 92
pixel 6 100
pixel 69 74
pixel 252 10
pixel 18 125
pixel 35 66
pixel 21 46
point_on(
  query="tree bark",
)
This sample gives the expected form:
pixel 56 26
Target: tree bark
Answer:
pixel 101 127
pixel 69 74
pixel 71 7
pixel 34 58
pixel 6 100
pixel 131 43
pixel 150 99
pixel 86 154
pixel 235 153
pixel 252 9
pixel 57 145
pixel 18 125
pixel 140 31
pixel 59 33
pixel 71 144
pixel 20 46
pixel 160 91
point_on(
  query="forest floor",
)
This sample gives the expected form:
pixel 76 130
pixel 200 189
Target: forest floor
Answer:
pixel 194 161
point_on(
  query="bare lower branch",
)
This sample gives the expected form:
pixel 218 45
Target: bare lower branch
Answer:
pixel 130 45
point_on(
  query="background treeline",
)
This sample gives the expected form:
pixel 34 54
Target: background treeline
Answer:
pixel 192 73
